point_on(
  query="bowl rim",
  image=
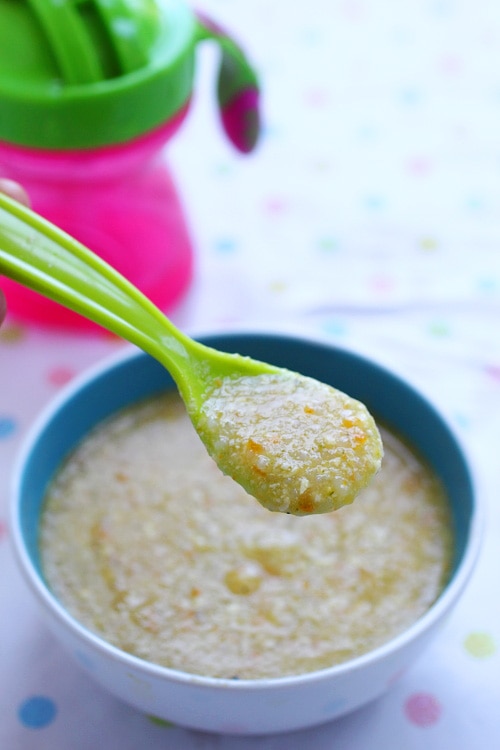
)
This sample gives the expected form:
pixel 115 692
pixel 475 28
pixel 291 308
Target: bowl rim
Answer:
pixel 434 614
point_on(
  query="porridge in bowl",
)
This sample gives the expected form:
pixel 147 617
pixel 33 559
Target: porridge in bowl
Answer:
pixel 149 545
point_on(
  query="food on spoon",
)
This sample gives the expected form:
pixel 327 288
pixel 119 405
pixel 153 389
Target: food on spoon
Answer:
pixel 290 450
pixel 149 545
pixel 299 446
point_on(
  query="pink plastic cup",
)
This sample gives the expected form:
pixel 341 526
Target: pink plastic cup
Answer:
pixel 118 200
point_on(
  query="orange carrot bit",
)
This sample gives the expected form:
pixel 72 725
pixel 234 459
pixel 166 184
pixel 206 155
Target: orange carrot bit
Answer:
pixel 254 447
pixel 306 502
pixel 360 438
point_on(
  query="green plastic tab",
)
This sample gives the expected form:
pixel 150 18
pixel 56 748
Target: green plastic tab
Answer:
pixel 87 73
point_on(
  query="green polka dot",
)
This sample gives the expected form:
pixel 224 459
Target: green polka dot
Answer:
pixel 439 328
pixel 223 169
pixel 480 645
pixel 328 244
pixel 160 722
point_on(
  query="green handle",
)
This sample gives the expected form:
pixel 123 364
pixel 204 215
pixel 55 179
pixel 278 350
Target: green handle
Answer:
pixel 44 258
pixel 237 88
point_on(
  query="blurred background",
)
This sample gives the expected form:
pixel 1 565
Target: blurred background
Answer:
pixel 368 216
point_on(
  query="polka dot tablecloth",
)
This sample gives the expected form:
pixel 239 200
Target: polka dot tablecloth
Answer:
pixel 369 216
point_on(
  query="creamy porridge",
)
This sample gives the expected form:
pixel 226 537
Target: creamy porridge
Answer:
pixel 297 445
pixel 148 544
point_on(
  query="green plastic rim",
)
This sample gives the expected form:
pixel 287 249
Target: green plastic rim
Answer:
pixel 80 79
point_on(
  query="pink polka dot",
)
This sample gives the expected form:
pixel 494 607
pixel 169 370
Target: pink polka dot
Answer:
pixel 60 375
pixel 382 284
pixel 423 709
pixel 276 205
pixel 396 677
pixel 353 10
pixel 451 65
pixel 419 166
pixel 493 371
pixel 316 97
pixel 3 530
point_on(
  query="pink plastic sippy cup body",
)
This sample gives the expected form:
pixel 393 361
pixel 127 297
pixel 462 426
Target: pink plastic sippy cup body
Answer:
pixel 118 200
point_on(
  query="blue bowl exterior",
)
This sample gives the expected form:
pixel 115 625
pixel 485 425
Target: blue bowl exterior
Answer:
pixel 389 398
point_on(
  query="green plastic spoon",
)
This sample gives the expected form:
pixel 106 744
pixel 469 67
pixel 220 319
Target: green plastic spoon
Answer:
pixel 297 445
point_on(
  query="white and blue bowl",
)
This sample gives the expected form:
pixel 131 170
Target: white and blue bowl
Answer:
pixel 243 706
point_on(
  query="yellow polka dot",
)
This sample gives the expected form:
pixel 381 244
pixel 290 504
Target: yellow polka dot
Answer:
pixel 278 287
pixel 428 244
pixel 321 165
pixel 11 334
pixel 480 645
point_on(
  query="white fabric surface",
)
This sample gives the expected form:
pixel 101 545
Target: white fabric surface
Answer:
pixel 368 216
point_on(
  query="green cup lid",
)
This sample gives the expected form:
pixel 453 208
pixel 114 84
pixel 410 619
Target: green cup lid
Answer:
pixel 88 73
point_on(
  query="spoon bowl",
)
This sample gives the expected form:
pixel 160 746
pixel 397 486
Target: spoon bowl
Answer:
pixel 254 418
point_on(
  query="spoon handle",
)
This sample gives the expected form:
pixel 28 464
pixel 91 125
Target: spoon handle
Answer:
pixel 42 257
pixel 238 90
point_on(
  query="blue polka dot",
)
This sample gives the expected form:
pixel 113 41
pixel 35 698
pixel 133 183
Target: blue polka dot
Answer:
pixel 334 706
pixel 272 130
pixel 442 7
pixel 311 36
pixel 368 132
pixel 7 426
pixel 409 96
pixel 335 327
pixel 85 660
pixel 225 245
pixel 463 420
pixel 37 712
pixel 374 202
pixel 488 285
pixel 474 203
